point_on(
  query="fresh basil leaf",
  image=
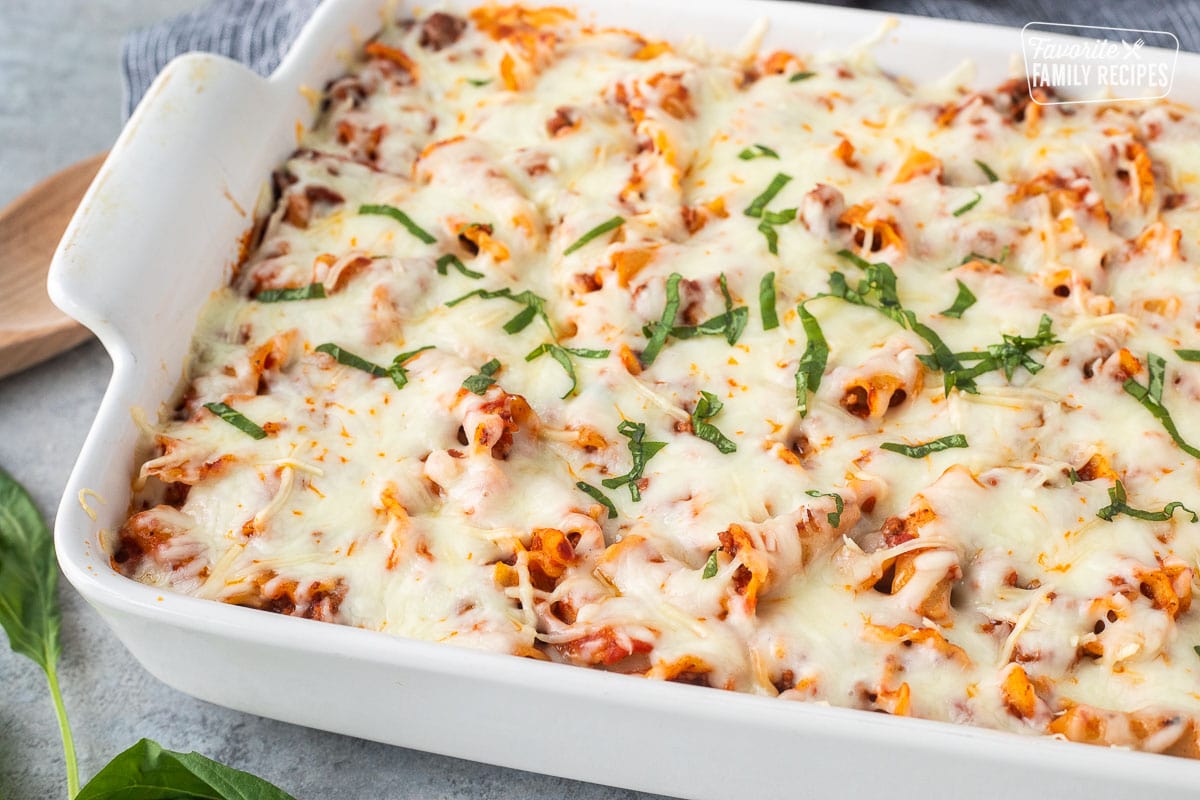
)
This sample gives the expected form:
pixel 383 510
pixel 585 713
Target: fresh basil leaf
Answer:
pixel 707 407
pixel 314 291
pixel 757 151
pixel 1188 355
pixel 535 307
pixel 397 372
pixel 767 227
pixel 1150 396
pixel 640 451
pixel 479 81
pixel 29 609
pixel 598 496
pixel 711 566
pixel 962 302
pixel 599 230
pixel 563 356
pixel 756 207
pixel 958 212
pixel 451 260
pixel 987 171
pixel 348 359
pixel 1196 649
pixel 812 362
pixel 658 337
pixel 973 256
pixel 1118 505
pixel 148 772
pixel 922 450
pixel 1073 476
pixel 766 302
pixel 398 215
pixel 480 382
pixel 834 517
pixel 801 76
pixel 237 419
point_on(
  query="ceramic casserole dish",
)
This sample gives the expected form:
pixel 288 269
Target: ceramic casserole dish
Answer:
pixel 159 231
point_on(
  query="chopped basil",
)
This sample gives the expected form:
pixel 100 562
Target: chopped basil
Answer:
pixel 640 451
pixel 1188 355
pixel 766 302
pixel 767 227
pixel 314 291
pixel 731 323
pixel 962 302
pixel 878 291
pixel 398 215
pixel 1117 505
pixel 711 566
pixel 801 76
pixel 922 450
pixel 964 208
pixel 563 356
pixel 757 151
pixel 1150 396
pixel 397 372
pixel 707 407
pixel 1196 649
pixel 658 336
pixel 480 382
pixel 350 360
pixel 755 209
pixel 812 363
pixel 451 260
pixel 1011 353
pixel 598 496
pixel 237 419
pixel 987 171
pixel 535 306
pixel 973 256
pixel 479 81
pixel 1073 476
pixel 599 230
pixel 834 517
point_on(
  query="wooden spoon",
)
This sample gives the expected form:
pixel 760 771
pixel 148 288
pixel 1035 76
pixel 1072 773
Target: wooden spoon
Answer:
pixel 31 328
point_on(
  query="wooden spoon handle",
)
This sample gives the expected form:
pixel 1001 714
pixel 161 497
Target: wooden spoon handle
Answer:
pixel 31 328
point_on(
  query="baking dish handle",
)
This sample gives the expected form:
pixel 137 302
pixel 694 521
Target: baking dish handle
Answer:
pixel 181 182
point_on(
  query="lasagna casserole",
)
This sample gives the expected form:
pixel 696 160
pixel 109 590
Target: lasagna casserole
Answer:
pixel 763 372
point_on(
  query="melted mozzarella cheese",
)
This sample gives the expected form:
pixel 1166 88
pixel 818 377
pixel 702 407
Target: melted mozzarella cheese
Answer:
pixel 973 584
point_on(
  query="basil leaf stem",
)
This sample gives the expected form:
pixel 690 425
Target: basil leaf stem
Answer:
pixel 29 609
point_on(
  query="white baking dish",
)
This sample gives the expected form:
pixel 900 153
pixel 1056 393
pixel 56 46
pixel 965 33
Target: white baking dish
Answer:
pixel 141 257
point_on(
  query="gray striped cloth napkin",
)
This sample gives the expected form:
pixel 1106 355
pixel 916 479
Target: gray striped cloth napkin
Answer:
pixel 258 32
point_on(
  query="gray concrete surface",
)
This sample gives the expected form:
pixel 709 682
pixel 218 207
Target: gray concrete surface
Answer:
pixel 60 99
